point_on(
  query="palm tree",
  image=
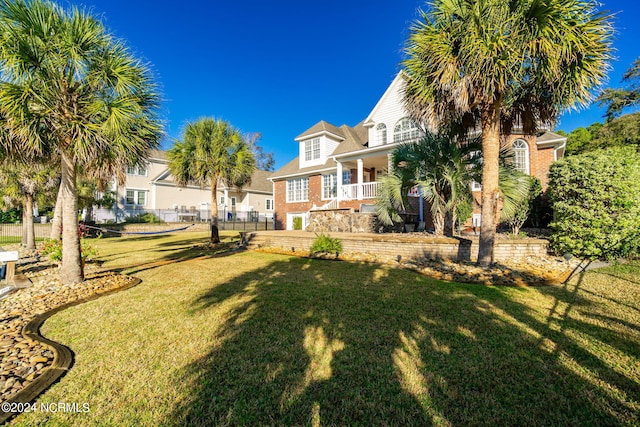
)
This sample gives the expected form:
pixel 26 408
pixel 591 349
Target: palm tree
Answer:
pixel 21 183
pixel 503 64
pixel 212 151
pixel 441 167
pixel 66 83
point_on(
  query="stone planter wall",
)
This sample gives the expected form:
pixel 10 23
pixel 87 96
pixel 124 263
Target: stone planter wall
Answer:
pixel 407 246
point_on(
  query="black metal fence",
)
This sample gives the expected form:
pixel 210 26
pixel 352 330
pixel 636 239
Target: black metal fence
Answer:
pixel 264 224
pixel 128 214
pixel 12 233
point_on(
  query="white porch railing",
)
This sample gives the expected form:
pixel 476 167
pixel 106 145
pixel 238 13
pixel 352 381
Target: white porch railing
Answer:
pixel 367 190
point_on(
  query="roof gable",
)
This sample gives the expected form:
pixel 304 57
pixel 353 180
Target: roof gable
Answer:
pixel 390 96
pixel 320 128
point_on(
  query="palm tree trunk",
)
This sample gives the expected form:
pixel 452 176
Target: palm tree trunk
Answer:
pixel 56 222
pixel 438 224
pixel 490 119
pixel 27 224
pixel 71 271
pixel 215 234
pixel 449 223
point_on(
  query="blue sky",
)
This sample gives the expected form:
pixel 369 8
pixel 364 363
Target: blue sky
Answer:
pixel 279 66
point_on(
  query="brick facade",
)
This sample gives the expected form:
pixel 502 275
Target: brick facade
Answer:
pixel 365 150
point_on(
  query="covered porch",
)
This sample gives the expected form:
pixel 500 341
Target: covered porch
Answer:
pixel 360 172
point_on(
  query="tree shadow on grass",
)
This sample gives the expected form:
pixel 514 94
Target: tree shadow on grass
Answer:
pixel 175 251
pixel 319 342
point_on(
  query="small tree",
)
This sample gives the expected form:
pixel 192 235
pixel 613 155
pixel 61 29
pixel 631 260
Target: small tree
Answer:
pixel 442 167
pixel 596 203
pixel 524 206
pixel 212 152
pixel 616 100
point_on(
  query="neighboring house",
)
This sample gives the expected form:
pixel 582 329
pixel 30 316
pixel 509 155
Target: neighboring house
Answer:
pixel 338 167
pixel 152 189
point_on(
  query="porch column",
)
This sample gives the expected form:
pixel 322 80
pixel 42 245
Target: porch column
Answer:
pixel 339 181
pixel 360 178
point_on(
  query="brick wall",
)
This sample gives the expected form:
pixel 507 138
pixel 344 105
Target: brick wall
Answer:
pixel 540 159
pixel 282 208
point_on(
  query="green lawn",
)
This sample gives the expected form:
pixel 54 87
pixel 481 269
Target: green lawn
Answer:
pixel 245 338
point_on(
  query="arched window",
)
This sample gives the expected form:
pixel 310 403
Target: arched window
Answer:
pixel 405 130
pixel 521 156
pixel 381 133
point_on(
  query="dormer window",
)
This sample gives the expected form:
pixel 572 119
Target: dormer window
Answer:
pixel 381 133
pixel 405 130
pixel 312 149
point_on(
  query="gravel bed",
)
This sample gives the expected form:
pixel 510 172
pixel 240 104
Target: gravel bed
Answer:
pixel 23 359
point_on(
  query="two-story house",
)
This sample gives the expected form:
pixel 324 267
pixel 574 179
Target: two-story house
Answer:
pixel 152 189
pixel 338 167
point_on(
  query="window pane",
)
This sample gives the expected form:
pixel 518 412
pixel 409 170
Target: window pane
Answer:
pixel 307 150
pixel 329 186
pixel 405 130
pixel 129 197
pixel 141 198
pixel 346 177
pixel 305 189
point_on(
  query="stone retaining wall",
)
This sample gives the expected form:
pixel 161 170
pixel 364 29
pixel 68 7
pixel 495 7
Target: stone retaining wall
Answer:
pixel 344 221
pixel 407 246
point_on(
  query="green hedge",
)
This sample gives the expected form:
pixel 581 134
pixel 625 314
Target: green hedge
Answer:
pixel 596 200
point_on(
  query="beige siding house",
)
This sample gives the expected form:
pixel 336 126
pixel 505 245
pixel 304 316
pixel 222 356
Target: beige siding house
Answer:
pixel 152 189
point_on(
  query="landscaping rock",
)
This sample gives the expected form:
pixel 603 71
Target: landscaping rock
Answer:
pixel 23 359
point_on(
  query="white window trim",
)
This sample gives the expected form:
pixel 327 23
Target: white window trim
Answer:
pixel 268 204
pixel 291 193
pixel 476 220
pixel 312 148
pixel 524 149
pixel 333 185
pixel 381 134
pixel 136 192
pixel 136 170
pixel 406 135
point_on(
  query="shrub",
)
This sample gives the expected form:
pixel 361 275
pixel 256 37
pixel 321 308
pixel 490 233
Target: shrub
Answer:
pixel 52 248
pixel 524 206
pixel 145 218
pixel 596 199
pixel 464 210
pixel 11 216
pixel 297 223
pixel 326 244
